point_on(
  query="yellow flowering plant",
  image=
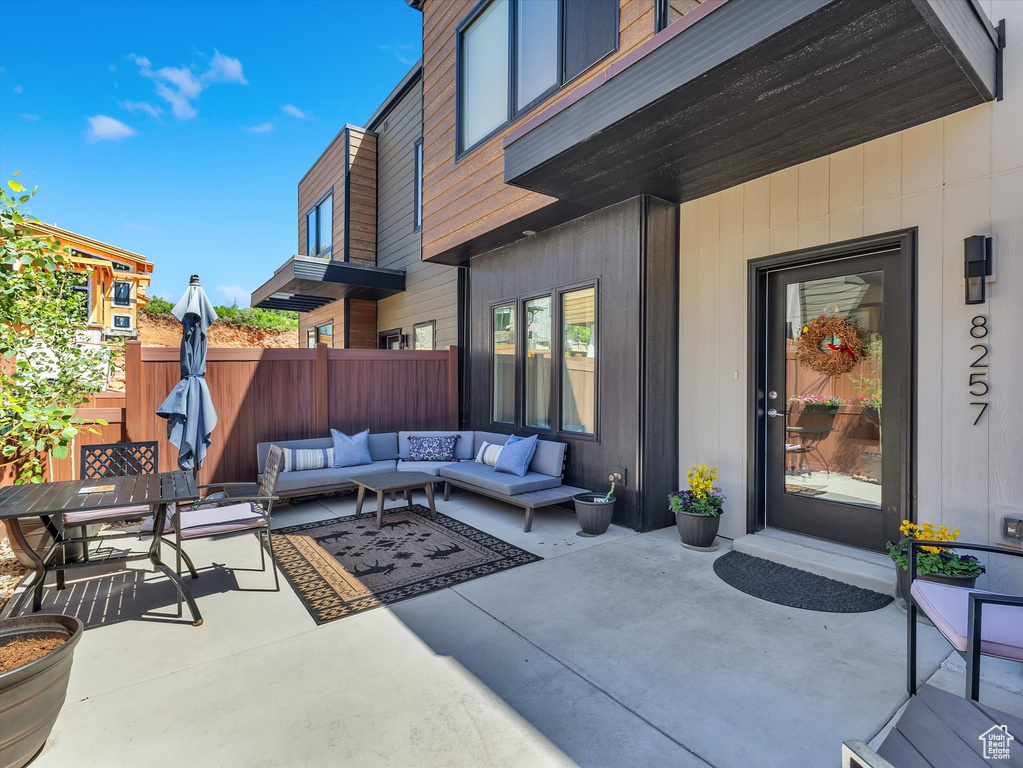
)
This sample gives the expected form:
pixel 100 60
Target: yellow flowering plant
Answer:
pixel 936 559
pixel 702 497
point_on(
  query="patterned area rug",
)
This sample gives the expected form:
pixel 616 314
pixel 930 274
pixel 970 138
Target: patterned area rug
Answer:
pixel 345 566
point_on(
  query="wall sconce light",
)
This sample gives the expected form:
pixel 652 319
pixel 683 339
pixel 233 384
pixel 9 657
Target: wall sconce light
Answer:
pixel 977 257
pixel 404 341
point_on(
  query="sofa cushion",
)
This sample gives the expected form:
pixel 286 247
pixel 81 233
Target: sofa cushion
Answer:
pixel 429 467
pixel 262 449
pixel 948 608
pixel 351 450
pixel 549 458
pixel 312 479
pixel 463 445
pixel 431 447
pixel 494 438
pixel 383 445
pixel 386 465
pixel 499 482
pixel 515 455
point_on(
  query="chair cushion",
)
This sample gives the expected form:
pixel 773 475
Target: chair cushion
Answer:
pixel 516 455
pixel 498 482
pixel 351 451
pixel 301 459
pixel 99 515
pixel 948 609
pixel 431 447
pixel 219 520
pixel 463 445
pixel 429 467
pixel 488 453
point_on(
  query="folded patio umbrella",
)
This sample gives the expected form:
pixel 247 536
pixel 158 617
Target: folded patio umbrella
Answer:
pixel 189 408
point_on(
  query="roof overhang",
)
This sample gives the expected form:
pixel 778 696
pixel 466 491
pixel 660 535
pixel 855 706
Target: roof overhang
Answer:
pixel 737 89
pixel 303 284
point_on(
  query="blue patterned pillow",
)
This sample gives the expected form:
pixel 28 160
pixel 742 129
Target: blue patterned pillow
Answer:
pixel 432 448
pixel 516 455
pixel 350 451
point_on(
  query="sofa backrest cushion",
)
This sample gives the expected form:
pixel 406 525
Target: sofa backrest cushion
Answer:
pixel 549 458
pixel 383 446
pixel 315 442
pixel 463 445
pixel 494 438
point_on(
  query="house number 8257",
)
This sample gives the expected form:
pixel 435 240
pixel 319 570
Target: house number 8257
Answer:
pixel 978 387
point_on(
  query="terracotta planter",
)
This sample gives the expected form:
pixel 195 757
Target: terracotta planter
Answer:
pixel 902 577
pixel 594 514
pixel 33 694
pixel 697 530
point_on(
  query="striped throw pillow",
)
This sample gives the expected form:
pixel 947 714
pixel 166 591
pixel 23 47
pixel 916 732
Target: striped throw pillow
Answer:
pixel 301 459
pixel 488 454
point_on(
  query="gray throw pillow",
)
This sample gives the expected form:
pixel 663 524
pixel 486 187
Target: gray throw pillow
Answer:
pixel 350 451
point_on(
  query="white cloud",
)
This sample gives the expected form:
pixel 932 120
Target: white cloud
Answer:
pixel 234 294
pixel 139 227
pixel 18 89
pixel 179 86
pixel 105 128
pixel 403 53
pixel 112 67
pixel 141 106
pixel 261 128
pixel 30 117
pixel 291 109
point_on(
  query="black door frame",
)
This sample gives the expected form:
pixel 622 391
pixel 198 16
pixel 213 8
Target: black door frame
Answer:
pixel 905 241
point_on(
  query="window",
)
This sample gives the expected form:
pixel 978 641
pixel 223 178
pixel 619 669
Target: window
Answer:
pixel 122 294
pixel 119 267
pixel 310 338
pixel 510 57
pixel 666 13
pixel 319 227
pixel 417 220
pixel 122 321
pixel 578 361
pixel 537 371
pixel 423 335
pixel 389 339
pixel 325 334
pixel 503 353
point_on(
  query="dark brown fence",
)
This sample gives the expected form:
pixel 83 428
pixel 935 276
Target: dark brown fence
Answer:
pixel 284 394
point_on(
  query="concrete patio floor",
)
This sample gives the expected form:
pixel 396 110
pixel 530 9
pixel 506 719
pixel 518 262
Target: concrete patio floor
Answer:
pixel 621 650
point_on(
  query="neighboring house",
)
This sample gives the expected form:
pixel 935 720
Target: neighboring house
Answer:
pixel 359 281
pixel 651 202
pixel 114 281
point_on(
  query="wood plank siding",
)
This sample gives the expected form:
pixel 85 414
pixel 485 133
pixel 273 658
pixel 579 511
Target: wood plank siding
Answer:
pixel 431 290
pixel 361 207
pixel 465 199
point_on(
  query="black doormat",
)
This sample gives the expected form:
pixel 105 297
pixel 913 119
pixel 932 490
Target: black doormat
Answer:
pixel 344 566
pixel 781 584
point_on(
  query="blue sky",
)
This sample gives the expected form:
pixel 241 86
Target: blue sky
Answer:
pixel 180 130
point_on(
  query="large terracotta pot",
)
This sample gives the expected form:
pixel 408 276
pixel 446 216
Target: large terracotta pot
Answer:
pixel 31 695
pixel 902 576
pixel 697 530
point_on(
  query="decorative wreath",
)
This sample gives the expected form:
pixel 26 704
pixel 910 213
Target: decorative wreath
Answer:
pixel 818 351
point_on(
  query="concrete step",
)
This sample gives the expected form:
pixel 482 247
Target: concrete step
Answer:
pixel 870 570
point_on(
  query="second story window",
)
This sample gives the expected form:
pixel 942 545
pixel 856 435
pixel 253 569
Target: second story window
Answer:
pixel 417 221
pixel 319 227
pixel 512 54
pixel 122 294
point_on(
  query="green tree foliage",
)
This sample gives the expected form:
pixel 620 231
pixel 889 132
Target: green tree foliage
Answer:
pixel 262 319
pixel 46 371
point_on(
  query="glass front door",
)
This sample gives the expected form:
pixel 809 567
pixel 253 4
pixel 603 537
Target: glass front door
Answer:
pixel 835 410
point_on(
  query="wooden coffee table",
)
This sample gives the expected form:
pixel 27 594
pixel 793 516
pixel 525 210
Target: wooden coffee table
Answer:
pixel 389 482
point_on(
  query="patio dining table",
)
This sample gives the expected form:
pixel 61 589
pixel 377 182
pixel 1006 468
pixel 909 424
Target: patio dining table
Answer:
pixel 47 501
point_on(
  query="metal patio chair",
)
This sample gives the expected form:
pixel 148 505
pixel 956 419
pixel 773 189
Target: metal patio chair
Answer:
pixel 977 623
pixel 229 512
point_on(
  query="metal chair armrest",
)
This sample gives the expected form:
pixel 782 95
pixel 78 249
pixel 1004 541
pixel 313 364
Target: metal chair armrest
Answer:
pixel 209 502
pixel 974 634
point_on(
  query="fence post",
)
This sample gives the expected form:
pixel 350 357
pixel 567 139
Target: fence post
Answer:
pixel 452 412
pixel 134 392
pixel 321 402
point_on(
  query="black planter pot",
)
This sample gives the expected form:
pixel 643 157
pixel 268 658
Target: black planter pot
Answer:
pixel 593 512
pixel 32 695
pixel 902 577
pixel 697 531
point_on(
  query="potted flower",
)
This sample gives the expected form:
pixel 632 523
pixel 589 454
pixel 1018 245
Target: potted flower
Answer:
pixel 698 508
pixel 594 511
pixel 817 403
pixel 35 665
pixel 942 564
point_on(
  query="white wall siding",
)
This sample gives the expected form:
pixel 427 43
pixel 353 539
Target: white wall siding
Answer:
pixel 951 178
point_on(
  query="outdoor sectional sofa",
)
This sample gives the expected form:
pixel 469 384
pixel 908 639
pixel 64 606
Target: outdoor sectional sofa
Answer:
pixel 541 486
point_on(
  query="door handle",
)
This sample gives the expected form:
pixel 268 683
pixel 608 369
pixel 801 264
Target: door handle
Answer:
pixel 773 413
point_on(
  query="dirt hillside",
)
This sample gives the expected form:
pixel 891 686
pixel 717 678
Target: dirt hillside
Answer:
pixel 166 332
